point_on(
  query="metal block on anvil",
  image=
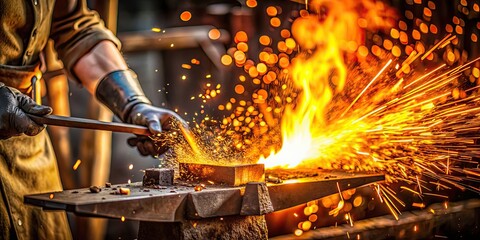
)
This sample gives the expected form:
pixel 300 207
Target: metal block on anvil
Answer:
pixel 236 175
pixel 158 176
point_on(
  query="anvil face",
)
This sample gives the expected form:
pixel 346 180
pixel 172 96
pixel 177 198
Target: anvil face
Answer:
pixel 181 201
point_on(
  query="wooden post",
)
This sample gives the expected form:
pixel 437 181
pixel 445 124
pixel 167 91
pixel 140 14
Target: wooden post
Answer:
pixel 96 145
pixel 57 88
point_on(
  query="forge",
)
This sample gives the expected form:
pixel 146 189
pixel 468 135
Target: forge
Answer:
pixel 213 202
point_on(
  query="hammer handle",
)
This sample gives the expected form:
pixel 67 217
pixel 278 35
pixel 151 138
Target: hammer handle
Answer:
pixel 74 122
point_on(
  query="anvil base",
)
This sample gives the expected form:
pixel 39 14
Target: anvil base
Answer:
pixel 232 227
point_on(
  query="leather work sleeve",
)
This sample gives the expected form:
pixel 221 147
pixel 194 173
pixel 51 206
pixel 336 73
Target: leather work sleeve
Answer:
pixel 76 30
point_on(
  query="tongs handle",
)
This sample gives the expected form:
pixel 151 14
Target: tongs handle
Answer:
pixel 74 122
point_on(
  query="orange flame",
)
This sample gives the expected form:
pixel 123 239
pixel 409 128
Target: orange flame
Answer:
pixel 320 73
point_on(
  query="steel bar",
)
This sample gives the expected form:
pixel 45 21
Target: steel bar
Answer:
pixel 236 175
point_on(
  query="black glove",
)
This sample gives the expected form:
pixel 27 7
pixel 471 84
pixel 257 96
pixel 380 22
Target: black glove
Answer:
pixel 121 92
pixel 13 118
pixel 157 120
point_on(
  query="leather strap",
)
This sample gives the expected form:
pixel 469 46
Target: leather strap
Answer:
pixel 20 78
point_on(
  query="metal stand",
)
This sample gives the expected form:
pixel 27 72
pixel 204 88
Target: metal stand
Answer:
pixel 232 227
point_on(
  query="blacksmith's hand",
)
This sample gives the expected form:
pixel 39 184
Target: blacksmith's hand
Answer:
pixel 13 113
pixel 157 120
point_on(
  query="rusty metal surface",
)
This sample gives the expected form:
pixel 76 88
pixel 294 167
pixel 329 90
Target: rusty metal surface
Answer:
pixel 181 201
pixel 158 176
pixel 297 191
pixel 256 199
pixel 222 202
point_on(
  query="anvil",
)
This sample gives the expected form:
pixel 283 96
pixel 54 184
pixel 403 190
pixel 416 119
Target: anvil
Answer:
pixel 178 207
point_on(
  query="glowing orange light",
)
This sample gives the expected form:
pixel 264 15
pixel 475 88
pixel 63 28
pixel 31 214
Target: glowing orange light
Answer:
pixel 376 50
pixel 423 28
pixel 272 11
pixel 476 72
pixel 185 16
pixel 290 43
pixel 241 36
pixel 283 62
pixel 275 22
pixel 363 51
pixel 419 47
pixel 239 56
pixel 264 40
pixel 450 56
pixel 427 12
pixel 261 68
pixel 304 13
pixel 214 34
pixel 242 46
pixel 298 232
pixel 239 89
pixel 251 3
pixel 387 44
pixel 474 37
pixel 327 42
pixel 306 225
pixel 449 28
pixel 262 93
pixel 282 46
pixel 394 33
pixel 459 29
pixel 362 22
pixel 226 60
pixel 433 29
pixel 253 72
pixel 416 34
pixel 357 201
pixel 402 25
pixel 285 33
pixel 77 163
pixel 396 51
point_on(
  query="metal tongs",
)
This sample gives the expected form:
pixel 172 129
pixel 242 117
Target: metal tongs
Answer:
pixel 84 123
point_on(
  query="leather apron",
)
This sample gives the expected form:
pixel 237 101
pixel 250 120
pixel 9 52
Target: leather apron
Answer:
pixel 28 166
